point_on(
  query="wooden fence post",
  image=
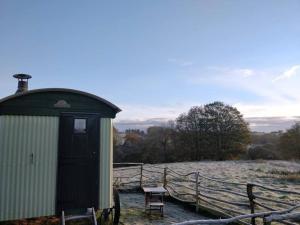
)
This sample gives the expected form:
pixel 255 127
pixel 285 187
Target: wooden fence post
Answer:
pixel 165 177
pixel 197 192
pixel 141 178
pixel 251 200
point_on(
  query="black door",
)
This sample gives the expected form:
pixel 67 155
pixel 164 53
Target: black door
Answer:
pixel 78 162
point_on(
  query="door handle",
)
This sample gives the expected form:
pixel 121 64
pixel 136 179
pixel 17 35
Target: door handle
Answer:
pixel 31 158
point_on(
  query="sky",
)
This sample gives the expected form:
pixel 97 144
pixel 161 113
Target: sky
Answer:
pixel 155 59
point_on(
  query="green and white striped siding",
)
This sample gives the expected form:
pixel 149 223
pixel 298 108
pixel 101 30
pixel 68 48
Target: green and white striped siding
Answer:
pixel 106 157
pixel 28 185
pixel 28 162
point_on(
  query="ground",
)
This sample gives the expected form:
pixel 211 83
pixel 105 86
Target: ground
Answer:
pixel 133 212
pixel 228 183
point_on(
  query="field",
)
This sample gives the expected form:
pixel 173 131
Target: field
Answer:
pixel 222 185
pixel 276 174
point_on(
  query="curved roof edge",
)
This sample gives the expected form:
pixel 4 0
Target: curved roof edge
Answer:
pixel 102 100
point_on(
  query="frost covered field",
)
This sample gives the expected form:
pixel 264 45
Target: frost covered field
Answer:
pixel 278 174
pixel 226 182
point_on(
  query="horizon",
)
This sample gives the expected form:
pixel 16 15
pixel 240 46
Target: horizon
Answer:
pixel 156 60
pixel 256 124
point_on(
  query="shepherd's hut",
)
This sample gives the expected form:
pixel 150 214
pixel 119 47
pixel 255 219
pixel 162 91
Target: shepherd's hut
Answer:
pixel 55 151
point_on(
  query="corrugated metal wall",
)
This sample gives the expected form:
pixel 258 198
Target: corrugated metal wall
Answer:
pixel 28 162
pixel 28 165
pixel 106 157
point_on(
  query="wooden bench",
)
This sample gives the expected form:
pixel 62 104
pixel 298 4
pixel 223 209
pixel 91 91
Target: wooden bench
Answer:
pixel 157 206
pixel 154 198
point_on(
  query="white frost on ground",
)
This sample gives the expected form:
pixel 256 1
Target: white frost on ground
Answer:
pixel 133 212
pixel 273 174
pixel 243 171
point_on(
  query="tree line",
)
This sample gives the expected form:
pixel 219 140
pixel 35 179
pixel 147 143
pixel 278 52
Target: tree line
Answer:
pixel 214 131
pixel 276 145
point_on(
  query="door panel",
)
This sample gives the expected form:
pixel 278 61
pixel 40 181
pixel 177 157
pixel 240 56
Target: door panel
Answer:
pixel 78 162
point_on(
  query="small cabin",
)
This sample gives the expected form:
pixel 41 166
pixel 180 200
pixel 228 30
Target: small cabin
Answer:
pixel 56 149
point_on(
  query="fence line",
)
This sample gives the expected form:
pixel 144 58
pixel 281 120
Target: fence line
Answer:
pixel 180 174
pixel 223 190
pixel 275 190
pixel 152 171
pixel 267 216
pixel 179 193
pixel 275 201
pixel 193 187
pixel 223 201
pixel 222 208
pixel 182 185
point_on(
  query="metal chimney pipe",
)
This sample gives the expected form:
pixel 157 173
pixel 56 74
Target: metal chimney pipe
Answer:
pixel 22 82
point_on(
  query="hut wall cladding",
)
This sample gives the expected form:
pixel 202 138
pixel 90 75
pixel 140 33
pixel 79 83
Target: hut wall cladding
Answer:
pixel 28 166
pixel 28 182
pixel 106 157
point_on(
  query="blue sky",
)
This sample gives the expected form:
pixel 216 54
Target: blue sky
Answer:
pixel 156 59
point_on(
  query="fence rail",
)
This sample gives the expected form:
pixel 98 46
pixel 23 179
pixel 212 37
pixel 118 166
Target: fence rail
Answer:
pixel 208 193
pixel 267 217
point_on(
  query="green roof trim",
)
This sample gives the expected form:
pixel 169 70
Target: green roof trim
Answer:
pixel 53 101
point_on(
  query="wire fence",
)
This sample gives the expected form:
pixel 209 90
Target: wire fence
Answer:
pixel 245 203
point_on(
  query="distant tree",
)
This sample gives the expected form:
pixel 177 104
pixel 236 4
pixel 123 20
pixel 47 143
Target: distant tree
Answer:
pixel 132 139
pixel 265 151
pixel 289 144
pixel 138 132
pixel 158 144
pixel 259 138
pixel 191 130
pixel 117 139
pixel 133 146
pixel 264 145
pixel 213 131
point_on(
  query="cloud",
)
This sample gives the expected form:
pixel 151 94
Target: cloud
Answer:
pixel 269 109
pixel 256 82
pixel 263 117
pixel 228 71
pixel 269 124
pixel 273 105
pixel 258 95
pixel 258 124
pixel 130 112
pixel 180 62
pixel 244 72
pixel 294 70
pixel 123 125
pixel 136 116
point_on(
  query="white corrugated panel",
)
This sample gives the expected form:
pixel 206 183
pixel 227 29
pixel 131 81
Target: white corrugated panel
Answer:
pixel 106 157
pixel 28 164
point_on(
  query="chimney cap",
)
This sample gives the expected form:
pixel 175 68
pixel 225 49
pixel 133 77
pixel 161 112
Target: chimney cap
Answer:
pixel 22 76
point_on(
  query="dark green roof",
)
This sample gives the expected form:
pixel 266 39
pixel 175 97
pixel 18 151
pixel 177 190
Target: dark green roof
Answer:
pixel 53 101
